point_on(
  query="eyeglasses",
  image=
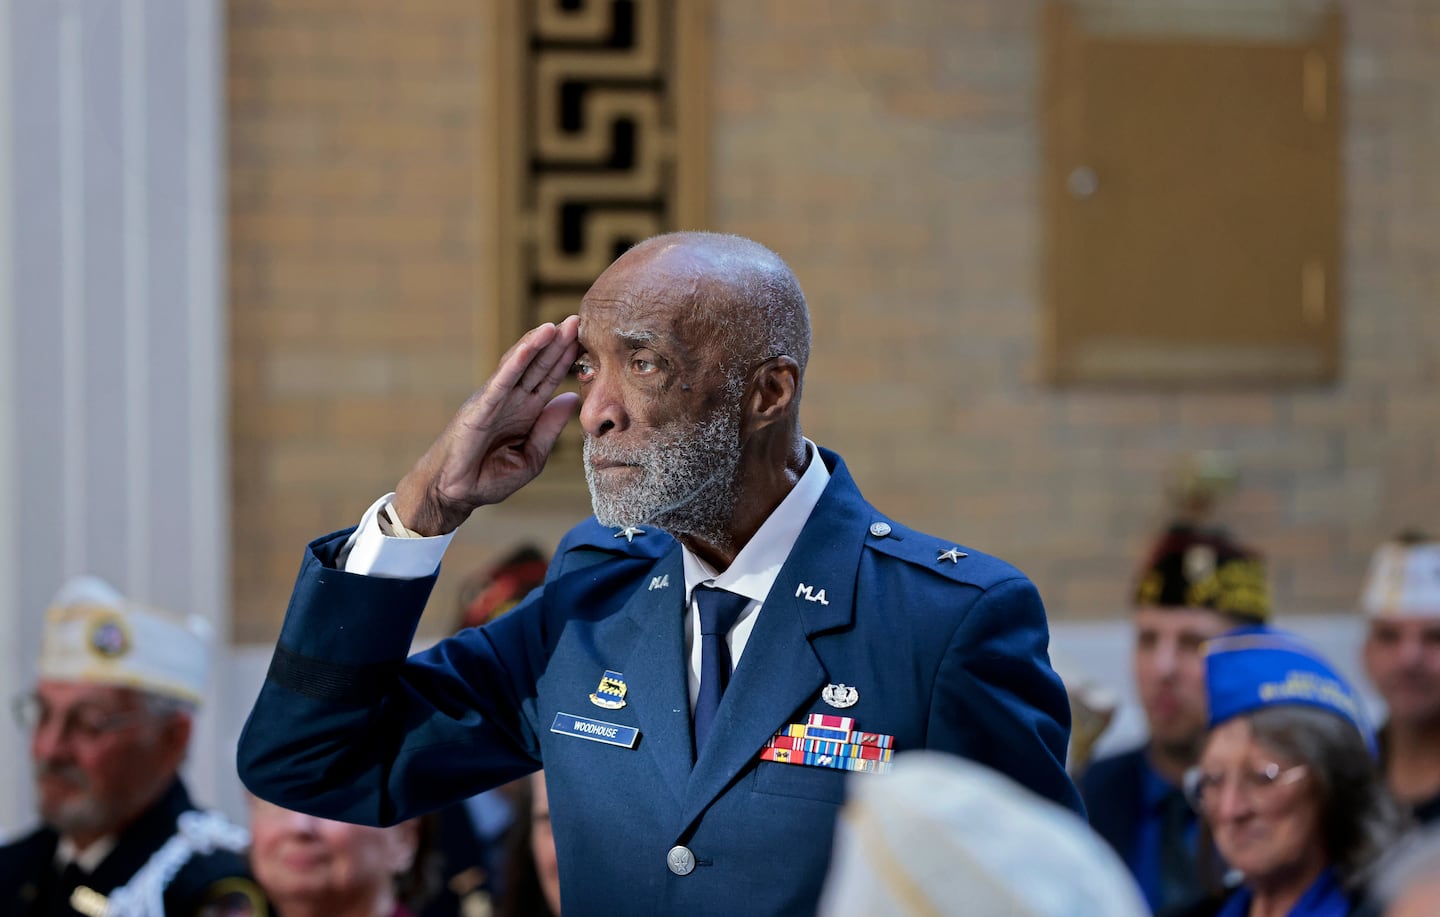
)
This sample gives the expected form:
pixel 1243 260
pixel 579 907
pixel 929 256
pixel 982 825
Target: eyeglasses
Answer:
pixel 82 722
pixel 1256 784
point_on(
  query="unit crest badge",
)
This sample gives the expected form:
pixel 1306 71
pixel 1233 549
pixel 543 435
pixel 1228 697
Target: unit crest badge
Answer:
pixel 611 693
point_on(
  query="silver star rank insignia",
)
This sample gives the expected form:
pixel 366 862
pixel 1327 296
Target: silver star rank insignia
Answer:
pixel 629 532
pixel 953 555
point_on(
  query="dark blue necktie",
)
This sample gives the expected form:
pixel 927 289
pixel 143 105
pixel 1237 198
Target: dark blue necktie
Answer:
pixel 719 610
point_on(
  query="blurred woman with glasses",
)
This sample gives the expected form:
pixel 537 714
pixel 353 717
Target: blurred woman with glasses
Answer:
pixel 1287 784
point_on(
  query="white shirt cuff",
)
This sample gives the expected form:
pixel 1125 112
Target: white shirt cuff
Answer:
pixel 370 552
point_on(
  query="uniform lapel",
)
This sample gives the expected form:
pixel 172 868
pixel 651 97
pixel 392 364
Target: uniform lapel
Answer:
pixel 655 670
pixel 779 670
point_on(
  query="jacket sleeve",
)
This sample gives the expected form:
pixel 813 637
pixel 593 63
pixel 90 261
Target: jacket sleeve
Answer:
pixel 345 727
pixel 997 701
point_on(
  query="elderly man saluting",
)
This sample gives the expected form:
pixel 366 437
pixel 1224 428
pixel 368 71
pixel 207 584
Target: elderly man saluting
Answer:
pixel 110 721
pixel 696 706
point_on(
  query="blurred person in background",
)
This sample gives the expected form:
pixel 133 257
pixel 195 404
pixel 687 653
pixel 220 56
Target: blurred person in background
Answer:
pixel 1197 585
pixel 314 867
pixel 110 721
pixel 490 593
pixel 1402 660
pixel 470 836
pixel 944 835
pixel 1093 706
pixel 1287 784
pixel 532 878
pixel 1407 883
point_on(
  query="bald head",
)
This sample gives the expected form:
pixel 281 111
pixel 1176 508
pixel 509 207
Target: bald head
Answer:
pixel 744 292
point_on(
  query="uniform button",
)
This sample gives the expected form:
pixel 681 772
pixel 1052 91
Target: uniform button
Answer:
pixel 879 529
pixel 680 860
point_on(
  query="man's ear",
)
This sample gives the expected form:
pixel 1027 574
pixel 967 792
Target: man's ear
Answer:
pixel 773 393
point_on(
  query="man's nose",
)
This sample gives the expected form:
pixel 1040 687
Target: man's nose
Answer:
pixel 50 739
pixel 299 822
pixel 1412 652
pixel 1166 659
pixel 602 406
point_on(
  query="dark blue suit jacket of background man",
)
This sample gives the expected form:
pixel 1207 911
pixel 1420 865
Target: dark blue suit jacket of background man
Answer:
pixel 944 655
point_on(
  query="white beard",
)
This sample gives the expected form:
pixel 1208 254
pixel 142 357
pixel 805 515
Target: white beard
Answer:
pixel 685 482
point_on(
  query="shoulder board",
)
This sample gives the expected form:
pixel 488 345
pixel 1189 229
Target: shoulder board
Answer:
pixel 949 559
pixel 590 542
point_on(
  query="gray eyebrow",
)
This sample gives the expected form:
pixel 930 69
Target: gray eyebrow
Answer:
pixel 637 338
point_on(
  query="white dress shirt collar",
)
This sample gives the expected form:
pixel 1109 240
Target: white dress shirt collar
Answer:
pixel 88 859
pixel 754 569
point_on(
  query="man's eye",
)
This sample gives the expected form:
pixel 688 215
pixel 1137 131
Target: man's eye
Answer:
pixel 583 371
pixel 642 366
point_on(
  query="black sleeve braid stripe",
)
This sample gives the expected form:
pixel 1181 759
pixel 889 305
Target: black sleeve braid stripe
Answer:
pixel 361 685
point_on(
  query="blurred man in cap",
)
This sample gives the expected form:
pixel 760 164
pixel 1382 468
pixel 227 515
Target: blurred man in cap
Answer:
pixel 1402 659
pixel 1198 585
pixel 110 720
pixel 944 835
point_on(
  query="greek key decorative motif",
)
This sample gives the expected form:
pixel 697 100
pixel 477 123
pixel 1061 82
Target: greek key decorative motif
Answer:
pixel 604 141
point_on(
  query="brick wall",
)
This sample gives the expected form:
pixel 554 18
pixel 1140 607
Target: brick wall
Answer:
pixel 890 152
pixel 361 188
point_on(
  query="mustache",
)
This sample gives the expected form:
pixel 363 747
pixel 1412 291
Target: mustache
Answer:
pixel 596 450
pixel 68 772
pixel 609 451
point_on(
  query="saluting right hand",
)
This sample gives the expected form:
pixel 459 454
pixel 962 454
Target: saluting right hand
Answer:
pixel 500 438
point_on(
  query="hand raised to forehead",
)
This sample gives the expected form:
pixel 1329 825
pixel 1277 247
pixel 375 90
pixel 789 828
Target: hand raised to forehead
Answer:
pixel 500 438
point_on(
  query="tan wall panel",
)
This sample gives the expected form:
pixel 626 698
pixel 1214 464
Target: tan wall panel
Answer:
pixel 890 151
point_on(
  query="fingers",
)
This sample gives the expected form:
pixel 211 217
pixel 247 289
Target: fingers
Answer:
pixel 521 354
pixel 548 367
pixel 550 422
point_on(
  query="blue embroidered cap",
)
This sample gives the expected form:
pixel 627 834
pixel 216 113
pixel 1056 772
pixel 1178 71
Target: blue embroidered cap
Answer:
pixel 1254 667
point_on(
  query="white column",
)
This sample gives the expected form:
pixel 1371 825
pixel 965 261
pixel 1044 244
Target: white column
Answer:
pixel 113 369
pixel 13 768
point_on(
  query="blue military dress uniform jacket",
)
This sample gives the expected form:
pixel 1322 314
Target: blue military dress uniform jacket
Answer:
pixel 1127 803
pixel 943 654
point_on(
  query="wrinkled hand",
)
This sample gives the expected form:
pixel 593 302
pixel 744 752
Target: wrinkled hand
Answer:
pixel 499 439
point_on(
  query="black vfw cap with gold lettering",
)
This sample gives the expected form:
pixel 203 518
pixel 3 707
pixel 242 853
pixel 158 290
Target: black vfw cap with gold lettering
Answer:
pixel 1192 567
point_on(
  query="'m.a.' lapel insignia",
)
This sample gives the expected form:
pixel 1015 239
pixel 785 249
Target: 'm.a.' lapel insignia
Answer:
pixel 953 555
pixel 841 695
pixel 629 532
pixel 811 594
pixel 611 693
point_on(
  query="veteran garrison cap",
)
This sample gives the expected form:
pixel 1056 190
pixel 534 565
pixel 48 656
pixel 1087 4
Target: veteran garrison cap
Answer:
pixel 940 834
pixel 487 595
pixel 1251 668
pixel 93 634
pixel 1203 568
pixel 1404 579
